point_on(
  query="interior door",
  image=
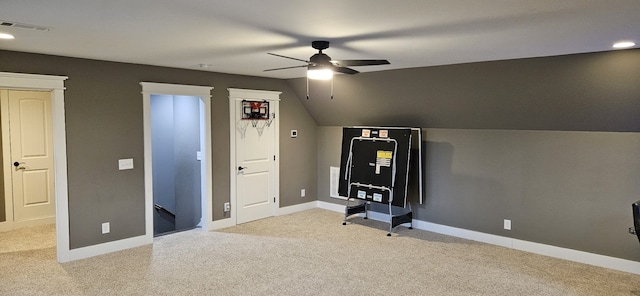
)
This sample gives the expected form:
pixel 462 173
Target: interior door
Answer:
pixel 31 134
pixel 255 159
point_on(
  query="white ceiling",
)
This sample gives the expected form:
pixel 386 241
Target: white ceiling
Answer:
pixel 234 36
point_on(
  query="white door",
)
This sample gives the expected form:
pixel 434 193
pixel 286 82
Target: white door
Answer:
pixel 31 155
pixel 255 168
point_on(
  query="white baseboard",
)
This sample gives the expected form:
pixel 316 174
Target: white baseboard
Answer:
pixel 222 223
pixel 297 208
pixel 109 247
pixel 331 206
pixel 531 247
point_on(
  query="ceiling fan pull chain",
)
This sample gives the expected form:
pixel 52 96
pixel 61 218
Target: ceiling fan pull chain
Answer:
pixel 307 88
pixel 332 87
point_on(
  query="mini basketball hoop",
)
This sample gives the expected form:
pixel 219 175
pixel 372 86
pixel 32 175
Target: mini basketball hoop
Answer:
pixel 241 126
pixel 257 113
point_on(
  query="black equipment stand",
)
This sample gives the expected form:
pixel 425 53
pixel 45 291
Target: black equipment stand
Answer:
pixel 375 168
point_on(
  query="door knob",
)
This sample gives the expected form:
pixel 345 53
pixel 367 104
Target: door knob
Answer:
pixel 17 165
pixel 241 168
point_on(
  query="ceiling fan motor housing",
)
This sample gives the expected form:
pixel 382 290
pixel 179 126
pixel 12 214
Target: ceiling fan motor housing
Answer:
pixel 320 59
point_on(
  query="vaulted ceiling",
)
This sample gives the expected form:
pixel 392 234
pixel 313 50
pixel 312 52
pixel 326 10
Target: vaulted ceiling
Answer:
pixel 235 36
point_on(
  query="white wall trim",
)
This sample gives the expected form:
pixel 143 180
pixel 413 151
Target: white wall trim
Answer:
pixel 222 223
pixel 55 84
pixel 531 247
pixel 6 169
pixel 331 206
pixel 204 93
pixel 297 208
pixel 108 247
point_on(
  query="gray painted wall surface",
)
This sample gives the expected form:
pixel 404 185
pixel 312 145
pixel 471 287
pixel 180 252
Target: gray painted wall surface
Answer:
pixel 584 92
pixel 103 108
pixel 567 189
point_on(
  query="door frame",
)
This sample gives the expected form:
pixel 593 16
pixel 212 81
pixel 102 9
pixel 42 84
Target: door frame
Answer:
pixel 204 93
pixel 237 95
pixel 54 84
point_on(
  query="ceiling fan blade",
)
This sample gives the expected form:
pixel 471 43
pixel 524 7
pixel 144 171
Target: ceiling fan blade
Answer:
pixel 302 66
pixel 286 57
pixel 350 63
pixel 345 70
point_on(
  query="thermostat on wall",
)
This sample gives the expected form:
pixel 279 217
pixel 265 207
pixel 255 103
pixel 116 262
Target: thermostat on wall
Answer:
pixel 294 133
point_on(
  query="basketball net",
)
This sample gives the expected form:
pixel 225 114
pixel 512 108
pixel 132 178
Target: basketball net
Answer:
pixel 260 127
pixel 241 126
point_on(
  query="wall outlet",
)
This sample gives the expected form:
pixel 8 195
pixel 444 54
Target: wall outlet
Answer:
pixel 507 224
pixel 227 207
pixel 303 192
pixel 106 228
pixel 125 164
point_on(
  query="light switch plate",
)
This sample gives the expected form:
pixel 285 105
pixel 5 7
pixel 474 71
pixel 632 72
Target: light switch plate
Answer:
pixel 125 164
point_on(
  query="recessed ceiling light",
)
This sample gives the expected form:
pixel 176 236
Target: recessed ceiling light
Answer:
pixel 624 44
pixel 6 36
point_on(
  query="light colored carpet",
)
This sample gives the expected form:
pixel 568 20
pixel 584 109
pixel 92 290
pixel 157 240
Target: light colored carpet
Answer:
pixel 307 253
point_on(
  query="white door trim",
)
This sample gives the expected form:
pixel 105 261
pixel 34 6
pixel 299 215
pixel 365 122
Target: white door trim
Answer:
pixel 204 93
pixel 235 95
pixel 55 84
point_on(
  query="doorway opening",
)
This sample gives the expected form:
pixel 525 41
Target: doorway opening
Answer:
pixel 187 212
pixel 176 141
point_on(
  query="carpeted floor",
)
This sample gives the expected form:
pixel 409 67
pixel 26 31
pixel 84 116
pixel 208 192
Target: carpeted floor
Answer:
pixel 307 253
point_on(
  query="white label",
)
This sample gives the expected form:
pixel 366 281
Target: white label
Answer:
pixel 377 197
pixel 362 194
pixel 384 133
pixel 366 133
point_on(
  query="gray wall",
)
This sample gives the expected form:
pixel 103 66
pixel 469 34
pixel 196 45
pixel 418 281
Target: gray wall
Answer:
pixel 584 92
pixel 550 143
pixel 567 189
pixel 103 108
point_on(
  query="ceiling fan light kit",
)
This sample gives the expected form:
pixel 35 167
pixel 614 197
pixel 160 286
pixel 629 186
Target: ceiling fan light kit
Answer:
pixel 322 61
pixel 320 74
pixel 321 67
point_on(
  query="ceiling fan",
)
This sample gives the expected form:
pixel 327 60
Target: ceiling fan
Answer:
pixel 321 66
